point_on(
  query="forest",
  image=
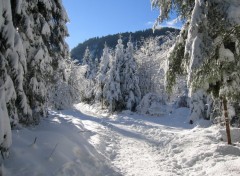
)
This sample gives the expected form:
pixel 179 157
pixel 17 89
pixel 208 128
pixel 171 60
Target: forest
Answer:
pixel 161 101
pixel 96 44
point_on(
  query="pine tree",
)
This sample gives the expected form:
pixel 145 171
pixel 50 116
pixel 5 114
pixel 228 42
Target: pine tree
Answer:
pixel 54 32
pixel 44 49
pixel 77 81
pixel 102 73
pixel 61 97
pixel 129 87
pixel 32 53
pixel 86 57
pixel 208 48
pixel 7 91
pixel 89 76
pixel 112 90
pixel 95 67
pixel 87 61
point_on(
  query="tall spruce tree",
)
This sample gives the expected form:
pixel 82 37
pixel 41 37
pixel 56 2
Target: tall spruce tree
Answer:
pixel 102 74
pixel 89 75
pixel 41 25
pixel 88 62
pixel 112 89
pixel 7 90
pixel 58 50
pixel 130 83
pixel 32 50
pixel 208 47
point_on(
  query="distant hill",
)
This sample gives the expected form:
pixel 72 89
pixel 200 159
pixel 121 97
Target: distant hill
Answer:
pixel 96 44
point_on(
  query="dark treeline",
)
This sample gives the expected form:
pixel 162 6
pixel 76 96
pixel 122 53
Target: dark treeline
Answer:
pixel 96 44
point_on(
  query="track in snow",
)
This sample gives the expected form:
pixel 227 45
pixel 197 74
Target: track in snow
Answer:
pixel 158 146
pixel 134 145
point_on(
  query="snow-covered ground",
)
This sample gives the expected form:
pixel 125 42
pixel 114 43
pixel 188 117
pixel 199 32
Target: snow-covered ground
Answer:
pixel 87 141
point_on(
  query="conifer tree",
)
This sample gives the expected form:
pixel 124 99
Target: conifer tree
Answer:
pixel 41 25
pixel 102 74
pixel 208 47
pixel 31 60
pixel 86 57
pixel 87 61
pixel 129 87
pixel 7 91
pixel 54 39
pixel 112 90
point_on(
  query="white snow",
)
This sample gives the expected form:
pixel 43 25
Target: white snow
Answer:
pixel 153 104
pixel 61 148
pixel 165 145
pixel 7 93
pixel 233 11
pixel 46 29
pixel 225 55
pixel 5 129
pixel 88 141
pixel 18 6
pixel 1 12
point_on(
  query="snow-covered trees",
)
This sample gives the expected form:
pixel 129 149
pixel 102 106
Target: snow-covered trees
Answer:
pixel 87 94
pixel 112 89
pixel 77 81
pixel 208 46
pixel 130 82
pixel 7 91
pixel 124 73
pixel 87 57
pixel 151 60
pixel 182 7
pixel 87 61
pixel 32 49
pixel 117 82
pixel 153 104
pixel 41 26
pixel 62 94
pixel 54 31
pixel 102 73
pixel 148 65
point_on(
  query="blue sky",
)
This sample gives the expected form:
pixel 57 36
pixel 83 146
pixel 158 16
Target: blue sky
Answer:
pixel 92 18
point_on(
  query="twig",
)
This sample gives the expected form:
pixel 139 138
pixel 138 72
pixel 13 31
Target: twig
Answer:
pixel 53 151
pixel 2 155
pixel 84 131
pixel 35 140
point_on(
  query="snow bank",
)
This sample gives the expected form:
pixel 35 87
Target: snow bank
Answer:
pixel 235 135
pixel 200 152
pixel 153 104
pixel 58 146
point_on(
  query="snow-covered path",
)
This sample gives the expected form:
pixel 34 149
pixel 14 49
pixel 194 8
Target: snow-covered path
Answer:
pixel 85 141
pixel 151 146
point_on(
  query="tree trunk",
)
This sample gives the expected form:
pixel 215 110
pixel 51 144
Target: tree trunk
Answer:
pixel 225 111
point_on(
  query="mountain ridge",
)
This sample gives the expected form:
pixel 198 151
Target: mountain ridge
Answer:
pixel 96 44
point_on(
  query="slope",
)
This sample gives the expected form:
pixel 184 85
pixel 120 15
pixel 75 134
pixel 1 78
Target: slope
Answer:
pixel 96 44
